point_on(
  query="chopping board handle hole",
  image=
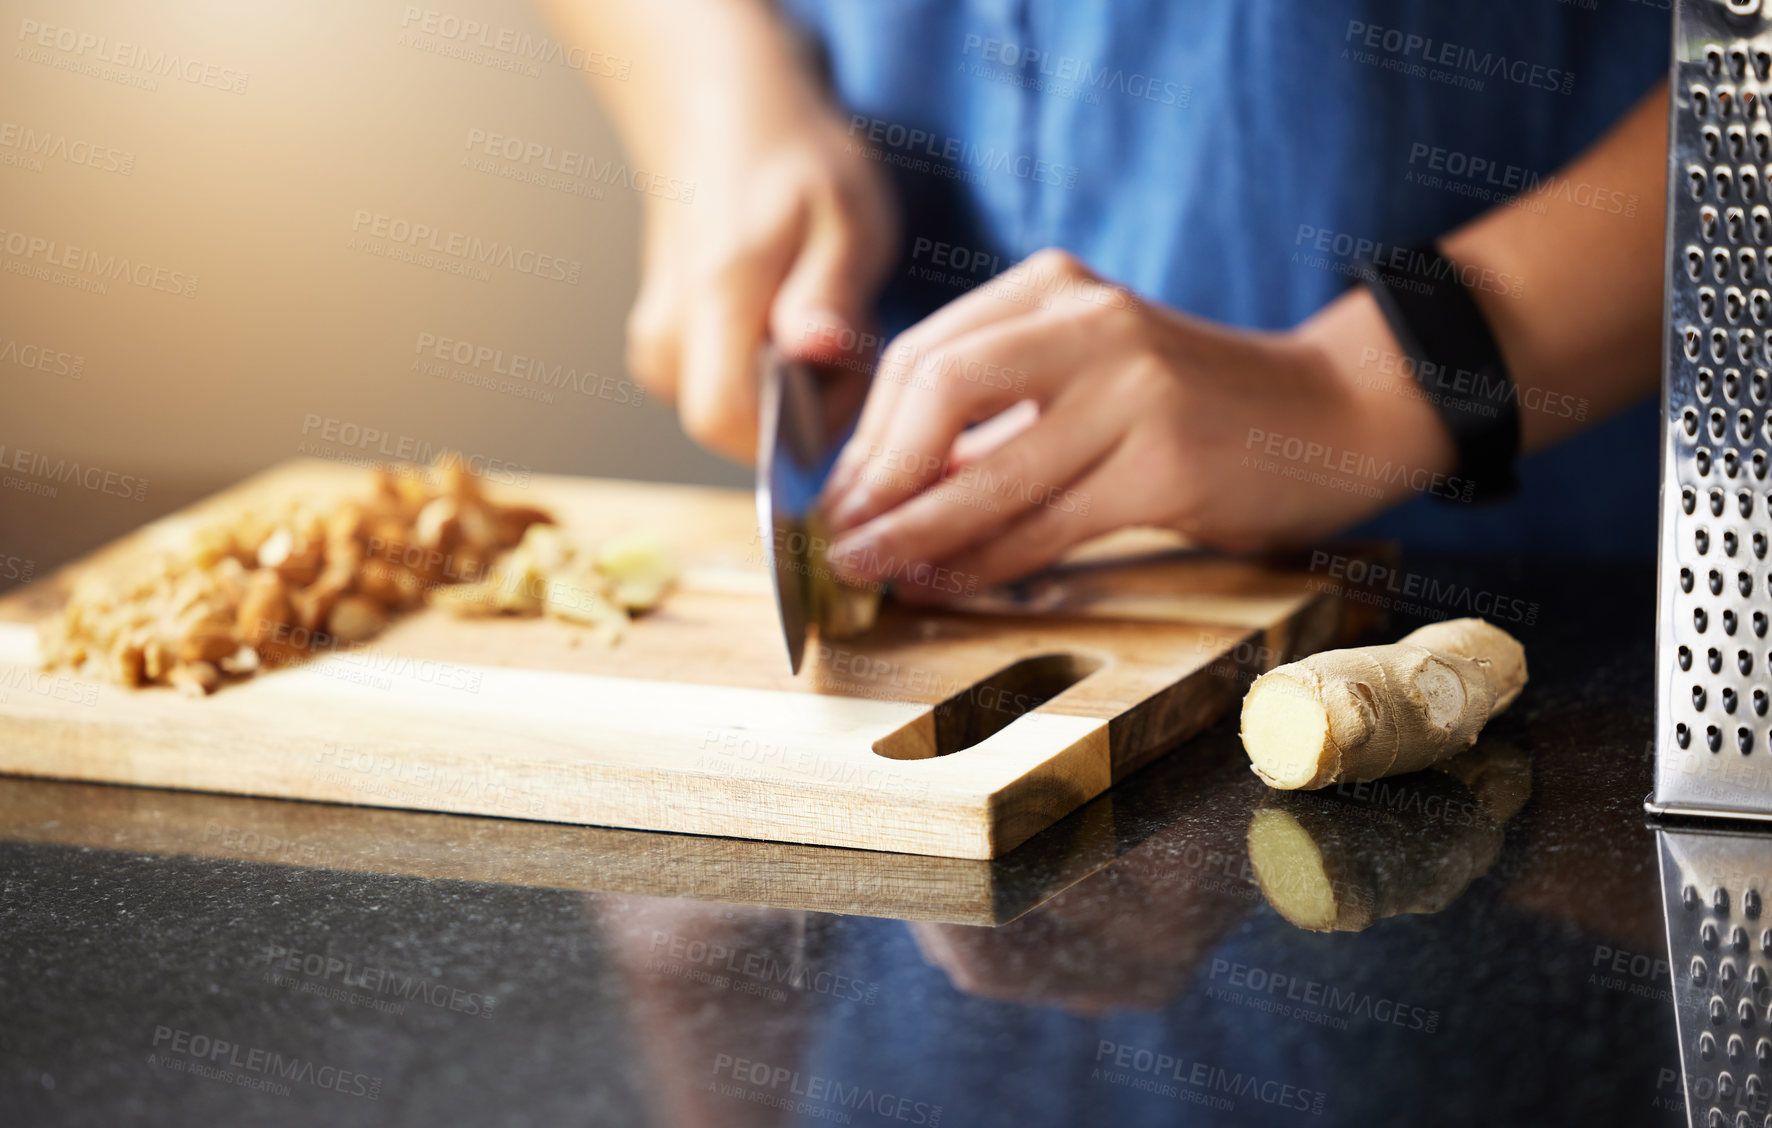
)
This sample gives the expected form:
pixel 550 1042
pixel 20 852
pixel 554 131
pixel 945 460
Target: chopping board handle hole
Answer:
pixel 987 706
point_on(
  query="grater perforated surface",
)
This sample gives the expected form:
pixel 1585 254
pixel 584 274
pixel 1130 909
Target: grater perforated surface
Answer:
pixel 1714 656
pixel 1719 937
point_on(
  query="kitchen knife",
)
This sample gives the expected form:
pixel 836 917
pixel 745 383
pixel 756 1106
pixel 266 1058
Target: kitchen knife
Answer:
pixel 791 468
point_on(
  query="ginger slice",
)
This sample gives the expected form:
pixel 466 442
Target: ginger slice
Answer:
pixel 553 573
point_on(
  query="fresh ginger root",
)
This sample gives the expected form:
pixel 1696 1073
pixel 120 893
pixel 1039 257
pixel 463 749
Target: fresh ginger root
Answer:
pixel 1375 711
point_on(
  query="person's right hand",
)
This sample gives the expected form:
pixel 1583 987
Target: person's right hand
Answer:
pixel 788 235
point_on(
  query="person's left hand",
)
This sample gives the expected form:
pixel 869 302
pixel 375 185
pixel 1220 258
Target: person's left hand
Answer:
pixel 1105 411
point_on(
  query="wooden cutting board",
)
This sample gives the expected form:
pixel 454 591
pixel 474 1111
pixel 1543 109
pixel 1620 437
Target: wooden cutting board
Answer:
pixel 911 739
pixel 1171 798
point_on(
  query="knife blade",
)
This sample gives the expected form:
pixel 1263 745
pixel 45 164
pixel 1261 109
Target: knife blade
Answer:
pixel 791 468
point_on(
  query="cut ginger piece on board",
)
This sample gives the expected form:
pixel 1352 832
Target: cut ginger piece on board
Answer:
pixel 553 573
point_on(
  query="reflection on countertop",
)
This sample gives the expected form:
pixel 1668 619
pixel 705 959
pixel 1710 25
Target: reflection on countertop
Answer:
pixel 1189 948
pixel 1714 883
pixel 1341 859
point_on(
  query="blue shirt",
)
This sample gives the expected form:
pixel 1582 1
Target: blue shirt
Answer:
pixel 1246 160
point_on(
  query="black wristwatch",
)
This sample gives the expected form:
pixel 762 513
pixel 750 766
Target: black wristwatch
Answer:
pixel 1457 365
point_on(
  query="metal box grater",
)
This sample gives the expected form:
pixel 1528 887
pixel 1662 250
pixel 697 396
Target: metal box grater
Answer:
pixel 1719 952
pixel 1713 739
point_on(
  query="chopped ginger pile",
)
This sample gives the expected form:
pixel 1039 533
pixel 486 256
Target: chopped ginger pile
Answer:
pixel 270 588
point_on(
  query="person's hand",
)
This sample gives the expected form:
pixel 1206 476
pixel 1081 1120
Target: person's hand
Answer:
pixel 1105 411
pixel 789 235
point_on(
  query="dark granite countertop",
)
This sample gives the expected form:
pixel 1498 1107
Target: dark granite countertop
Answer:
pixel 207 960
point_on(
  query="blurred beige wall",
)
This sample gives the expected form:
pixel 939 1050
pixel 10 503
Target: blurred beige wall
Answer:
pixel 234 228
